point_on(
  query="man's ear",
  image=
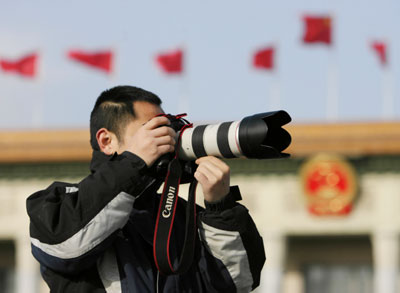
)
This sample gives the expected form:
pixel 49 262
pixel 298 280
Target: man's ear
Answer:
pixel 106 141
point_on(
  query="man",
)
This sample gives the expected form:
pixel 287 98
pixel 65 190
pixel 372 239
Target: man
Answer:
pixel 96 236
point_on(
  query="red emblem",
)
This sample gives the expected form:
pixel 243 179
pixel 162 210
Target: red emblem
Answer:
pixel 329 183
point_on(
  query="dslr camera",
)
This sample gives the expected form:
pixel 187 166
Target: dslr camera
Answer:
pixel 259 136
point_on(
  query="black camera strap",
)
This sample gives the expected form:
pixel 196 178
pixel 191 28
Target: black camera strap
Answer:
pixel 166 217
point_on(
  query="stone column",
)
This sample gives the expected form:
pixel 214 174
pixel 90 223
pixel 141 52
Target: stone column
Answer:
pixel 386 261
pixel 385 237
pixel 272 273
pixel 265 198
pixel 27 270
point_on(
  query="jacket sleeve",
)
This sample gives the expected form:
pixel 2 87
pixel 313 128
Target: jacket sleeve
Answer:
pixel 229 234
pixel 71 224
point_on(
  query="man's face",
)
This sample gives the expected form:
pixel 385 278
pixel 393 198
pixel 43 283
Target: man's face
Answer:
pixel 144 111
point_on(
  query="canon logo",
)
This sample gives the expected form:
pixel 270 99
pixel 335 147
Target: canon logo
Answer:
pixel 170 200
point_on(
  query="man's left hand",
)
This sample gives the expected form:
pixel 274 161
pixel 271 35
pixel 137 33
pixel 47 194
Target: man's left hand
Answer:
pixel 214 177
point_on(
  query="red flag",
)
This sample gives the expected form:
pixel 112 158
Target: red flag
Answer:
pixel 100 60
pixel 25 66
pixel 264 58
pixel 318 29
pixel 171 62
pixel 380 49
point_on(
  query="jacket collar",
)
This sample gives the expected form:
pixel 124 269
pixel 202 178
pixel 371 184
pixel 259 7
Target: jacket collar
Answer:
pixel 99 158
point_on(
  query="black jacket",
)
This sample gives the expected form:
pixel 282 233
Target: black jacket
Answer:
pixel 96 236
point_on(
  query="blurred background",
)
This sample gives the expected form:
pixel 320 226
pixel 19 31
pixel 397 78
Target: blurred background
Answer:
pixel 328 215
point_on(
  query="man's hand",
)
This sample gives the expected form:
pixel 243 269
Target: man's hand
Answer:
pixel 152 140
pixel 214 176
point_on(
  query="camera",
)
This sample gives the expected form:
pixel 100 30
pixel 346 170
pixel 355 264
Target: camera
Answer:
pixel 258 136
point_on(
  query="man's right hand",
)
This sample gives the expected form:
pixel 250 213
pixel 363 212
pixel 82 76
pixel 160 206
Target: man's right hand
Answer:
pixel 152 140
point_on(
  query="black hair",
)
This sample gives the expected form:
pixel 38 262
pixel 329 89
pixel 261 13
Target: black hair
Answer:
pixel 114 109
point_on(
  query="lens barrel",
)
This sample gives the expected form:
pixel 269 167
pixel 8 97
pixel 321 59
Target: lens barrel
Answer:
pixel 259 136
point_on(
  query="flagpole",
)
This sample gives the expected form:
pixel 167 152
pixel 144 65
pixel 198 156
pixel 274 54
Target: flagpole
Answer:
pixel 183 103
pixel 332 101
pixel 275 93
pixel 275 89
pixel 183 99
pixel 114 74
pixel 37 117
pixel 387 94
pixel 264 59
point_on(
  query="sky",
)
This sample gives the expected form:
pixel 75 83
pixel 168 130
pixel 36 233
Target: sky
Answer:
pixel 219 39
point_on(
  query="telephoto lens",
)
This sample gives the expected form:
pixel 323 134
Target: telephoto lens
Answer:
pixel 259 136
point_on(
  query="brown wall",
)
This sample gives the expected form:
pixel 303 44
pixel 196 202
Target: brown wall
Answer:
pixel 343 138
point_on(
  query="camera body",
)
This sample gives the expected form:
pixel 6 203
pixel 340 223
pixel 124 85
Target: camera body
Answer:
pixel 259 136
pixel 160 167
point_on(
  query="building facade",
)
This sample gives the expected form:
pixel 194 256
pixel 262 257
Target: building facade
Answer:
pixel 325 232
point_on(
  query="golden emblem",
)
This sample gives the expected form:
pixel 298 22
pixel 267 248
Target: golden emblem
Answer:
pixel 329 184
